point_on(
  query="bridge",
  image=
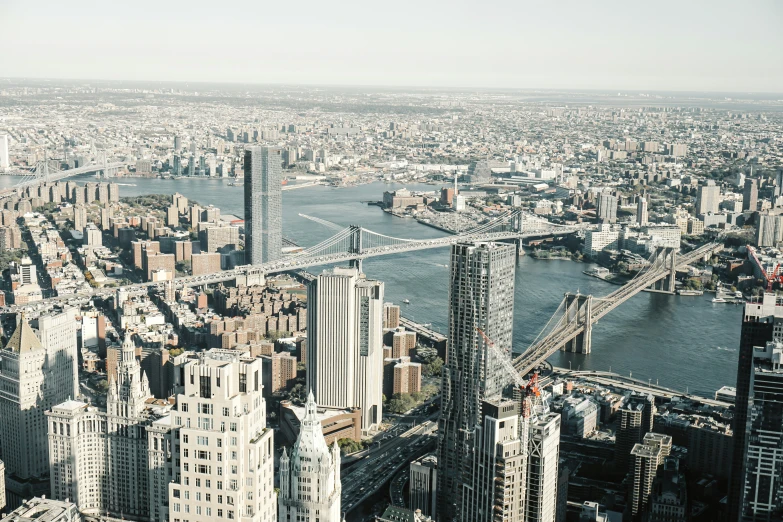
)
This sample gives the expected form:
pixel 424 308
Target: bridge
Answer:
pixel 570 328
pixel 43 172
pixel 353 244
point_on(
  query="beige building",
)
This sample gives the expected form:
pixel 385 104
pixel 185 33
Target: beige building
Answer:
pixel 205 263
pixel 407 376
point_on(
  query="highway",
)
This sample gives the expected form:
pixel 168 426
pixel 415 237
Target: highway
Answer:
pixel 365 477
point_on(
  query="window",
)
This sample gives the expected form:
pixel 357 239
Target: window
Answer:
pixel 183 407
pixel 242 383
pixel 220 513
pixel 208 484
pixel 209 511
pixel 177 508
pixel 233 427
pixel 219 486
pixel 175 493
pixel 205 386
pixel 198 496
pixel 186 467
pixel 208 497
pixel 185 452
pixel 225 412
pixel 220 441
pixel 220 498
pixel 202 441
pixel 198 482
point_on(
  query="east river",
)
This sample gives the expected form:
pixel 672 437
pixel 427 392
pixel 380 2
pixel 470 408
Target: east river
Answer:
pixel 680 342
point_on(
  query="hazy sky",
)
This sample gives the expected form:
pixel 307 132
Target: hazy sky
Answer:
pixel 714 45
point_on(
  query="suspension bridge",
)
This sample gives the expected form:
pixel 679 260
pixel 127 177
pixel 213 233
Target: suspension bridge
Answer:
pixel 45 172
pixel 571 326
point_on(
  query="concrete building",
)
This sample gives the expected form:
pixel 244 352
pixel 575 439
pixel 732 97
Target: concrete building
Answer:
pixel 93 236
pixel 345 342
pixel 634 421
pixel 172 216
pixel 542 468
pixel 642 215
pixel 219 238
pixel 750 195
pixel 605 238
pixel 607 208
pixel 644 466
pixel 38 369
pixel 403 342
pixel 481 295
pixel 99 458
pixel 336 423
pixel 205 263
pixel 263 204
pixel 2 486
pixel 282 372
pixel 669 496
pixel 225 453
pixel 316 466
pixel 4 161
pixel 79 217
pixel 44 510
pixel 391 315
pixel 423 485
pixel 707 198
pixel 710 447
pixel 406 377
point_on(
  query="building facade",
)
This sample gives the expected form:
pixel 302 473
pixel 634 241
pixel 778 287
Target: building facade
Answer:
pixel 310 485
pixel 263 204
pixel 345 342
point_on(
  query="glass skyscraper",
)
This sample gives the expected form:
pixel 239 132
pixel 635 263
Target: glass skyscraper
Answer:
pixel 263 204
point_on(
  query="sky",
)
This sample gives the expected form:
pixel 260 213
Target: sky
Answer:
pixel 653 45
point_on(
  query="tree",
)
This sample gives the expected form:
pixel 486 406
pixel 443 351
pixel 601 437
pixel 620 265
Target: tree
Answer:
pixel 401 402
pixel 434 367
pixel 176 351
pixel 102 386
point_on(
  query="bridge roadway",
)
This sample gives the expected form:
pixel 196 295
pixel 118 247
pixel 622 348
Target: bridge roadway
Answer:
pixel 564 333
pixel 304 261
pixel 58 175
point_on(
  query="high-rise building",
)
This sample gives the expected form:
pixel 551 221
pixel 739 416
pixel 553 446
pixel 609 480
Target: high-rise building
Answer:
pixel 391 315
pixel 707 198
pixel 99 458
pixel 642 216
pixel 4 162
pixel 37 370
pixel 2 486
pixel 79 217
pixel 423 485
pixel 607 208
pixel 750 195
pixel 542 468
pixel 221 463
pixel 644 466
pixel 263 204
pixel 757 465
pixel 634 421
pixel 481 295
pixel 345 342
pixel 316 466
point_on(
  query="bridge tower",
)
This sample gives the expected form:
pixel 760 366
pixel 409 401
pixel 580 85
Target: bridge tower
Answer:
pixel 355 246
pixel 667 257
pixel 579 309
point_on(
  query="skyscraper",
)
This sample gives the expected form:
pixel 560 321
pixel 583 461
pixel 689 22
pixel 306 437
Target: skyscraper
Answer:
pixel 37 371
pixel 345 342
pixel 757 464
pixel 542 468
pixel 263 204
pixel 634 421
pixel 315 464
pixel 481 295
pixel 99 458
pixel 607 208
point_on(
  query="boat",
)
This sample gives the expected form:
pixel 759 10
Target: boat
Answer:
pixel 690 292
pixel 406 301
pixel 235 184
pixel 718 300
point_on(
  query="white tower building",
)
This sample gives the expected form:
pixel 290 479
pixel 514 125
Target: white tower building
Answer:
pixel 4 163
pixel 345 343
pixel 542 471
pixel 310 478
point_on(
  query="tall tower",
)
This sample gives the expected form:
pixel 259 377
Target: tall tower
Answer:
pixel 642 216
pixel 345 342
pixel 757 461
pixel 481 295
pixel 542 468
pixel 37 370
pixel 314 463
pixel 263 204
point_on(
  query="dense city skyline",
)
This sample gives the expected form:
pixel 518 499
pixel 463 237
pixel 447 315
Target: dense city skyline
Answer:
pixel 682 46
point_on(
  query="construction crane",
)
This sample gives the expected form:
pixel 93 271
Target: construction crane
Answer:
pixel 531 393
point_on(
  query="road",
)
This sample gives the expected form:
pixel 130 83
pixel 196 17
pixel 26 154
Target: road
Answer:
pixel 367 476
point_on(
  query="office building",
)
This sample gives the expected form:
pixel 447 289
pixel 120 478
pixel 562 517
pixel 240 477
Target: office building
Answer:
pixel 607 208
pixel 481 295
pixel 542 468
pixel 634 421
pixel 4 162
pixel 41 509
pixel 263 204
pixel 494 483
pixel 423 485
pixel 707 198
pixel 642 215
pixel 750 195
pixel 98 458
pixel 38 369
pixel 310 478
pixel 757 464
pixel 224 465
pixel 345 342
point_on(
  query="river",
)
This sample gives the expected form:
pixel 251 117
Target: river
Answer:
pixel 686 343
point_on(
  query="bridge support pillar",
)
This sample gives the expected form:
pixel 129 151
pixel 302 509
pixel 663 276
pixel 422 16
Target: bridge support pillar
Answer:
pixel 356 263
pixel 355 246
pixel 668 257
pixel 579 309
